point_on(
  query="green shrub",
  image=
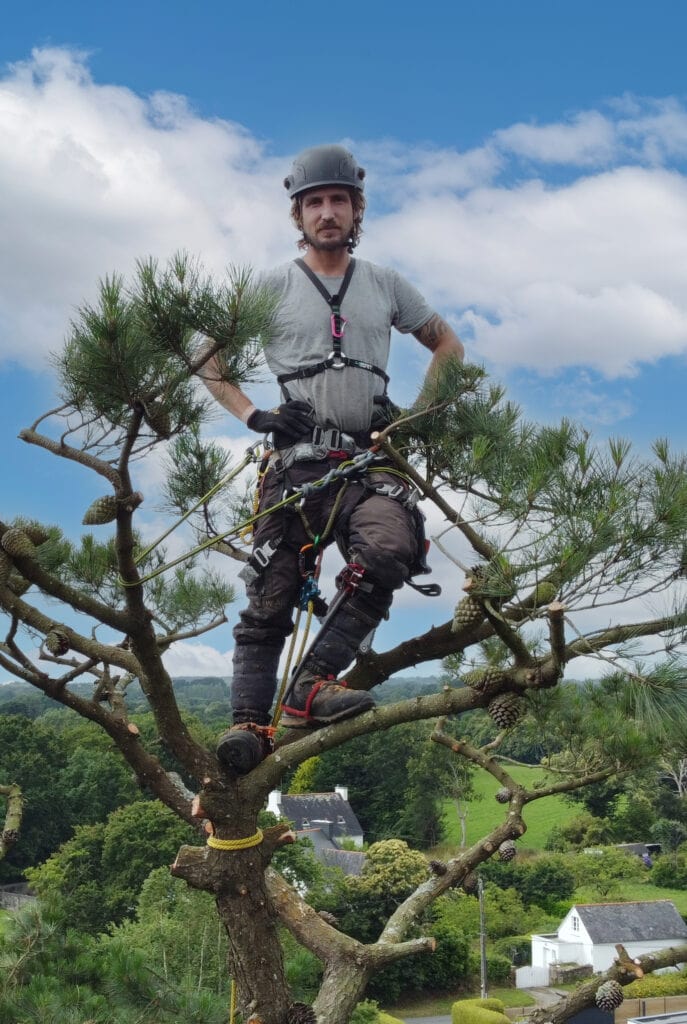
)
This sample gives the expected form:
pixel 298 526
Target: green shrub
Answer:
pixel 670 872
pixel 479 1011
pixel 673 984
pixel 498 966
pixel 517 948
pixel 366 1012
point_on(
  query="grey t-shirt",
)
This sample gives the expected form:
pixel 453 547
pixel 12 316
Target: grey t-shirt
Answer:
pixel 376 300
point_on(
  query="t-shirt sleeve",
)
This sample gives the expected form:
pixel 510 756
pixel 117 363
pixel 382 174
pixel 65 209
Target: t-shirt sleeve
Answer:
pixel 412 310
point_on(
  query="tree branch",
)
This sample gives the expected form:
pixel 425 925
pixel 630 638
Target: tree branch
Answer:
pixel 65 451
pixel 585 995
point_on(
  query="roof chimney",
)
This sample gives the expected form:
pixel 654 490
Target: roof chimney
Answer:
pixel 342 791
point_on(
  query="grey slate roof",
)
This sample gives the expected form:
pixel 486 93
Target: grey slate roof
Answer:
pixel 631 922
pixel 350 861
pixel 310 810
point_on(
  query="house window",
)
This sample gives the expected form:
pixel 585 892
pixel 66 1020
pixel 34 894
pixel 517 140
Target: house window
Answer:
pixel 575 923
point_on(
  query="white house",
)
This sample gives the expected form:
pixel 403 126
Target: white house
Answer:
pixel 589 932
pixel 326 819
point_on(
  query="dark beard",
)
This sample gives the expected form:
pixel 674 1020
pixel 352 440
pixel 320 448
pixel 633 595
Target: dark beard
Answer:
pixel 315 243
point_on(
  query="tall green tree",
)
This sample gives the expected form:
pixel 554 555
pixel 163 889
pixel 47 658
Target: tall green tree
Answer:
pixel 557 527
pixel 94 878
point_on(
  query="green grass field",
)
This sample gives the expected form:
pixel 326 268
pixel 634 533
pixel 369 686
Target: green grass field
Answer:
pixel 640 892
pixel 438 1006
pixel 484 812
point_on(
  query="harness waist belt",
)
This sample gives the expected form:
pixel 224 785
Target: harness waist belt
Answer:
pixel 324 441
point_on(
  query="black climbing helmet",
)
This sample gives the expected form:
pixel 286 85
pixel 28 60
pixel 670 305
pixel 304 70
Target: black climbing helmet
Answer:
pixel 323 165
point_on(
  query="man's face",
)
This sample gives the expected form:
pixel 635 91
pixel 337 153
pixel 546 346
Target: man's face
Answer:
pixel 327 215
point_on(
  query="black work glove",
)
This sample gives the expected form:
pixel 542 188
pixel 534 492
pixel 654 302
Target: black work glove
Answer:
pixel 290 421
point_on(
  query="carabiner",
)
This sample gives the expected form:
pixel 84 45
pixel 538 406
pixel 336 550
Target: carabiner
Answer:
pixel 338 325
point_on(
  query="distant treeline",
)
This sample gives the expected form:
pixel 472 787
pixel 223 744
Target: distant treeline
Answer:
pixel 204 695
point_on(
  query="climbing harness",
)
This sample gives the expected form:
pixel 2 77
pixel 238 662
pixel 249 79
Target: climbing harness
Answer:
pixel 349 468
pixel 336 360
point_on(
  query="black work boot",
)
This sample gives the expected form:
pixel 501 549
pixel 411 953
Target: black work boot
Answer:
pixel 243 747
pixel 316 700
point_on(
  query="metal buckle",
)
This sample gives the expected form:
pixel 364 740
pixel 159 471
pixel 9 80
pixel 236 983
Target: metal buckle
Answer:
pixel 265 553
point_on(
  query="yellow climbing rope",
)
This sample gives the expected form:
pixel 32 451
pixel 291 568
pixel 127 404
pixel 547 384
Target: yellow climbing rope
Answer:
pixel 236 844
pixel 232 1002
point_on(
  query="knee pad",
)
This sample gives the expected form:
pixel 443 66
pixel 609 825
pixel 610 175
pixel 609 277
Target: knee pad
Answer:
pixel 382 568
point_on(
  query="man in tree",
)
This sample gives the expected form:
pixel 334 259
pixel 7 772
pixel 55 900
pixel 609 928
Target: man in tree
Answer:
pixel 328 349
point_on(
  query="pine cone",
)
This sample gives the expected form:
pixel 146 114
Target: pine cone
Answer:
pixel 480 678
pixel 102 510
pixel 301 1013
pixel 507 850
pixel 505 709
pixel 545 593
pixel 17 543
pixel 609 996
pixel 5 568
pixel 503 795
pixel 36 533
pixel 57 642
pixel 468 612
pixel 18 584
pixel 475 679
pixel 158 419
pixel 470 883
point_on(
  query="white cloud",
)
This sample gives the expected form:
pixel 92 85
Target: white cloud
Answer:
pixel 590 272
pixel 192 658
pixel 588 140
pixel 582 270
pixel 93 177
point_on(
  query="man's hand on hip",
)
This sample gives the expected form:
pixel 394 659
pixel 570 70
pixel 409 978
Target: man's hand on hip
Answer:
pixel 292 420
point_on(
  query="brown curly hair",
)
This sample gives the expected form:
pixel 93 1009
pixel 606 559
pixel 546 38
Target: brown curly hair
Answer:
pixel 358 203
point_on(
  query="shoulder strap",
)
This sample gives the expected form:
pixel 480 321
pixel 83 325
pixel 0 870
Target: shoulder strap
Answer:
pixel 333 301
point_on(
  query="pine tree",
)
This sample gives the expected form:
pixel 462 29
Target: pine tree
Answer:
pixel 557 528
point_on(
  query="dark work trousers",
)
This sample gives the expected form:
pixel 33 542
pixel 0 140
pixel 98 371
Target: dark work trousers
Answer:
pixel 377 531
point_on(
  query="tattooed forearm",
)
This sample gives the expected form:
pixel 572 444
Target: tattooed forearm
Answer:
pixel 430 333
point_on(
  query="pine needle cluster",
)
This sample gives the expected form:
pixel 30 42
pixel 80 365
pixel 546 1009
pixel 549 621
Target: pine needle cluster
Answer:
pixel 130 358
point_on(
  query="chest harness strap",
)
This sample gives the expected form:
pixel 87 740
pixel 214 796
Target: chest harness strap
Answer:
pixel 336 359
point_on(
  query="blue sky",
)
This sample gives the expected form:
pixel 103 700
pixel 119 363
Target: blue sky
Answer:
pixel 526 168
